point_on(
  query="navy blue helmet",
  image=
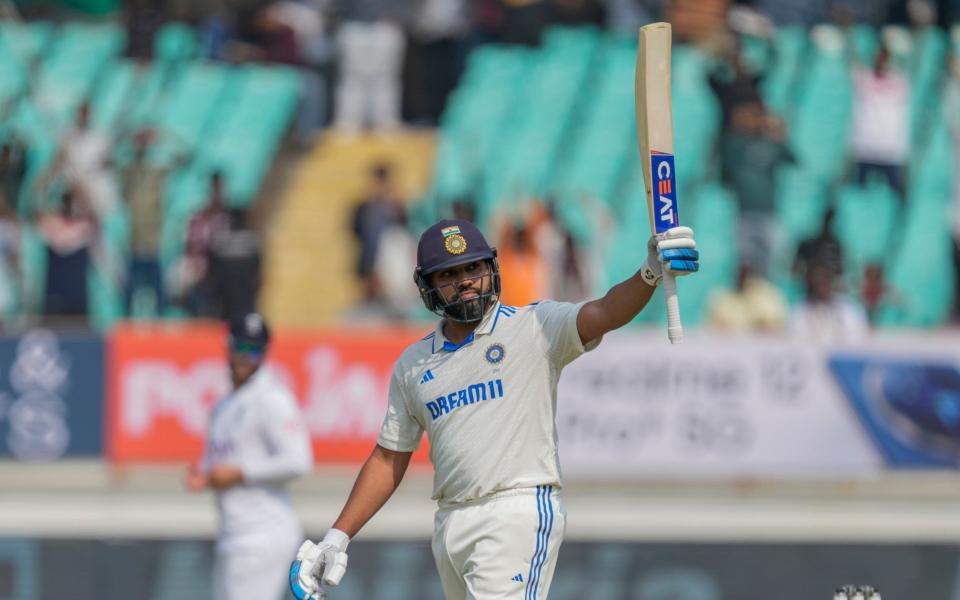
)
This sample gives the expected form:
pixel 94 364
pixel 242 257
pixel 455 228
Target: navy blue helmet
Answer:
pixel 249 334
pixel 450 243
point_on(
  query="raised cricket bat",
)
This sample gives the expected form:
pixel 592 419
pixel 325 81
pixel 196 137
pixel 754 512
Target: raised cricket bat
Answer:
pixel 655 134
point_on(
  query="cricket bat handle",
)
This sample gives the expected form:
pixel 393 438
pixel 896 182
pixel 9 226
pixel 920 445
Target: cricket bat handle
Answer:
pixel 674 326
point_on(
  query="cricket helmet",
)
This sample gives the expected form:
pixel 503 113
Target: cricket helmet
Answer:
pixel 450 243
pixel 249 334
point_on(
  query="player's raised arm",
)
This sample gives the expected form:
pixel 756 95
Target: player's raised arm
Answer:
pixel 675 250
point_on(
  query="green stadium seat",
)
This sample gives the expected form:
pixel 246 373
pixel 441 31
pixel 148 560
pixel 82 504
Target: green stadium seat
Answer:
pixel 174 43
pixel 821 123
pixel 538 121
pixel 71 66
pixel 924 285
pixel 603 136
pixel 112 94
pixel 866 226
pixel 865 41
pixel 184 119
pixel 790 46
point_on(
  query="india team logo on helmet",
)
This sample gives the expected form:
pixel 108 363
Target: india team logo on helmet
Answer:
pixel 495 354
pixel 453 241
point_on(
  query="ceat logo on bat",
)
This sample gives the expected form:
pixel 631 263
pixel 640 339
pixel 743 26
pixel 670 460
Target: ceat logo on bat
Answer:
pixel 664 191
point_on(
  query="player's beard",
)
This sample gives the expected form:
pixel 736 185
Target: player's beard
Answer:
pixel 473 309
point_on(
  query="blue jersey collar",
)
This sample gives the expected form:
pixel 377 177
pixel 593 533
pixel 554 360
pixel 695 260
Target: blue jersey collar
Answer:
pixel 486 326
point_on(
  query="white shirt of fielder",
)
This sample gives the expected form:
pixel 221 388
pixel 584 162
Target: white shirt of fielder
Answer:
pixel 257 428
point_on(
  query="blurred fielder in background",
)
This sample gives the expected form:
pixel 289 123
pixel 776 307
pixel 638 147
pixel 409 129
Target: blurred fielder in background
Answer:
pixel 256 444
pixel 483 386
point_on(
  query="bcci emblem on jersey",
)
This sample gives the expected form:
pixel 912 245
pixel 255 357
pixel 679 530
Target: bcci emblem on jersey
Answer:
pixel 495 354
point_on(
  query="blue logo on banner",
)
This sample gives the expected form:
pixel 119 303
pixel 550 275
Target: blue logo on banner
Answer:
pixel 664 181
pixel 910 408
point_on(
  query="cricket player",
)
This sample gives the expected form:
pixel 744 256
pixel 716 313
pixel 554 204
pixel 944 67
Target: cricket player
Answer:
pixel 256 444
pixel 483 386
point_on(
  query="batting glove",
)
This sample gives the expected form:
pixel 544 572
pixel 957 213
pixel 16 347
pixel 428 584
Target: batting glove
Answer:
pixel 319 564
pixel 674 249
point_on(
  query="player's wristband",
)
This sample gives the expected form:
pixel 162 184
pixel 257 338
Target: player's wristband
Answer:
pixel 337 538
pixel 648 275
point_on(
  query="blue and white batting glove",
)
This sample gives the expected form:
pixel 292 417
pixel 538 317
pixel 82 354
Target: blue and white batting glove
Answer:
pixel 674 249
pixel 318 565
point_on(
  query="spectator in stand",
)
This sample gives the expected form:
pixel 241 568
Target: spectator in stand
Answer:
pixel 234 270
pixel 193 281
pixel 523 21
pixel 733 83
pixel 371 46
pixel 10 273
pixel 880 137
pixel 381 209
pixel 143 184
pixel 877 292
pixel 573 13
pixel 951 110
pixel 824 315
pixel 83 160
pixel 69 236
pixel 436 52
pixel 823 248
pixel 524 274
pixel 754 305
pixel 314 58
pixel 143 19
pixel 13 169
pixel 396 259
pixel 752 152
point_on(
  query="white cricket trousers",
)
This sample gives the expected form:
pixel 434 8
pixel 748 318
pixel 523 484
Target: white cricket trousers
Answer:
pixel 255 572
pixel 503 546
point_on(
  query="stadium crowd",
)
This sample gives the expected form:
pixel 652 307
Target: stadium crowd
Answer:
pixel 386 64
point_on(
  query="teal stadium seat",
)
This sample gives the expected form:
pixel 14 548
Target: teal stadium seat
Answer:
pixel 780 83
pixel 185 119
pixel 696 114
pixel 924 282
pixel 603 137
pixel 821 123
pixel 866 224
pixel 535 127
pixel 75 59
pixel 175 43
pixel 476 114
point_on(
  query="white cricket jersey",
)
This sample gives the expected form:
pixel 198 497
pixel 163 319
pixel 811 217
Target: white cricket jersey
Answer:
pixel 489 405
pixel 258 428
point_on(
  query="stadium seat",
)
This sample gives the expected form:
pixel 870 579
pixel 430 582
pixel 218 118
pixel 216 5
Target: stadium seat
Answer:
pixel 866 226
pixel 790 46
pixel 175 43
pixel 112 94
pixel 186 117
pixel 820 126
pixel 538 120
pixel 923 288
pixel 603 136
pixel 71 66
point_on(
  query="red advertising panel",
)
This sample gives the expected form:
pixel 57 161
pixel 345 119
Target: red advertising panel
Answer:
pixel 163 381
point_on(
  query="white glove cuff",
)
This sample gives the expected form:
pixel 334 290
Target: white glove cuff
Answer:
pixel 649 276
pixel 337 539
